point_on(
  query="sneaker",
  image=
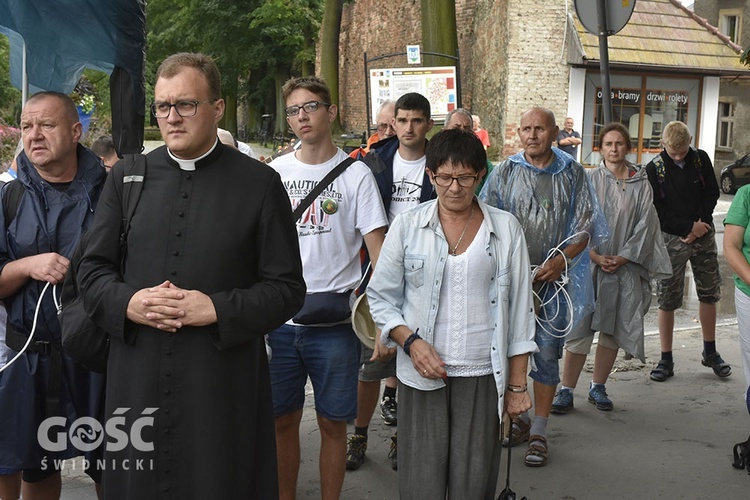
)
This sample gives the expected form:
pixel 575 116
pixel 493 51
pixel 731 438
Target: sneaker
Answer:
pixel 393 454
pixel 563 402
pixel 388 410
pixel 598 397
pixel 355 451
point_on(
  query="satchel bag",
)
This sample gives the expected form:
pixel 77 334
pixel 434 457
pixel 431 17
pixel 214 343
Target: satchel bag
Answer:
pixel 82 339
pixel 324 307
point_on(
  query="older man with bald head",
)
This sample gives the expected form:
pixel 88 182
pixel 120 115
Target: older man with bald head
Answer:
pixel 550 195
pixel 52 203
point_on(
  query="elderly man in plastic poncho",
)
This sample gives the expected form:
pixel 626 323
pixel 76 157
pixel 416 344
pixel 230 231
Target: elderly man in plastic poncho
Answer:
pixel 553 200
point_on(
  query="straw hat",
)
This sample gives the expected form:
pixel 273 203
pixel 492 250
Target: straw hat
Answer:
pixel 362 322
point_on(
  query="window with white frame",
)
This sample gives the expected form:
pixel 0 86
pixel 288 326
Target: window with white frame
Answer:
pixel 725 128
pixel 730 23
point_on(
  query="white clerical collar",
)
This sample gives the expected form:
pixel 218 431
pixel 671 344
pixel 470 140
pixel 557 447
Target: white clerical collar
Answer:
pixel 190 164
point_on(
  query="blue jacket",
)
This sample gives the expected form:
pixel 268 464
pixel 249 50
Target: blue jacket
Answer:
pixel 47 220
pixel 380 161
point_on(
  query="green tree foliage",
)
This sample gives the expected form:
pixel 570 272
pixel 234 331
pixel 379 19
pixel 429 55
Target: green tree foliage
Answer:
pixel 255 43
pixel 10 97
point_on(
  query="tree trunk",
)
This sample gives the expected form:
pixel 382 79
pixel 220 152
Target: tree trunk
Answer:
pixel 230 113
pixel 439 31
pixel 329 52
pixel 280 77
pixel 308 67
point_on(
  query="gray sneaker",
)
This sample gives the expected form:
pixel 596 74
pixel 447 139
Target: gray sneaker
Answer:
pixel 563 402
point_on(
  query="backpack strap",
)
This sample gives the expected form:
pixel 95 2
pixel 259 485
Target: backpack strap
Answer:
pixel 12 194
pixel 661 174
pixel 134 174
pixel 699 166
pixel 132 185
pixel 661 171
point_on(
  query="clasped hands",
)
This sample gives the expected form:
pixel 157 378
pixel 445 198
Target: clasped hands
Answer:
pixel 608 263
pixel 699 230
pixel 168 307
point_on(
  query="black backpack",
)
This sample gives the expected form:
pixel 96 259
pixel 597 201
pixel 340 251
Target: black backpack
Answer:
pixel 82 339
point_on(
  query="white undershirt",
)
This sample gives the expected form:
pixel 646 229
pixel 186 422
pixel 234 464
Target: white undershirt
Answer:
pixel 464 325
pixel 407 185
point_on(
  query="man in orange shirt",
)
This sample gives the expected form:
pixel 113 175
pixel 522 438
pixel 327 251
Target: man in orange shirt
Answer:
pixel 385 116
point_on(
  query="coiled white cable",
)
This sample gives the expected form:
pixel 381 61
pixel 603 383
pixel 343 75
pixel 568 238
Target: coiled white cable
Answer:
pixel 547 324
pixel 33 324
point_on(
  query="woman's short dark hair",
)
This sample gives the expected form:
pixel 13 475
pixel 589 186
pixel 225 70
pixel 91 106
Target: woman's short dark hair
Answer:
pixel 456 146
pixel 615 127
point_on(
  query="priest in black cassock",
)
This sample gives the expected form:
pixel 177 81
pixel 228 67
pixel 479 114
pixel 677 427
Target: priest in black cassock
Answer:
pixel 212 264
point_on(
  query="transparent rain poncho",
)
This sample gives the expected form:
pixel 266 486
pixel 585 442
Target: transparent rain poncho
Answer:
pixel 556 206
pixel 635 234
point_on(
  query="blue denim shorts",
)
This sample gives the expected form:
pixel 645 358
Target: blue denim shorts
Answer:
pixel 329 356
pixel 550 341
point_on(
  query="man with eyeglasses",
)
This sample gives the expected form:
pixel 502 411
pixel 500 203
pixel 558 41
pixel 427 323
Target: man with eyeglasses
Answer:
pixel 384 121
pixel 211 265
pixel 551 196
pixel 331 232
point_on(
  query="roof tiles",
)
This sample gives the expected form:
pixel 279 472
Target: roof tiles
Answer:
pixel 662 33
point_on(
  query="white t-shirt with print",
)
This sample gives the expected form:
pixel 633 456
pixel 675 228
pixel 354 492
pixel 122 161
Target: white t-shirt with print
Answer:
pixel 330 230
pixel 407 185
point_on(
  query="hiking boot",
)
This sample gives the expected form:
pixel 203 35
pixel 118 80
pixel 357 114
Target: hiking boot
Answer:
pixel 598 397
pixel 355 452
pixel 388 410
pixel 393 454
pixel 563 402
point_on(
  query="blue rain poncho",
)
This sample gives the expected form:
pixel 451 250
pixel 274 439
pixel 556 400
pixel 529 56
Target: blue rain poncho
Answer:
pixel 556 206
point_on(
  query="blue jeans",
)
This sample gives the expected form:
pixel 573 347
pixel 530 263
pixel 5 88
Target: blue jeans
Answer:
pixel 550 340
pixel 329 356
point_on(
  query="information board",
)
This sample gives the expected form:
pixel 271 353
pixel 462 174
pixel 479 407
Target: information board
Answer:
pixel 437 84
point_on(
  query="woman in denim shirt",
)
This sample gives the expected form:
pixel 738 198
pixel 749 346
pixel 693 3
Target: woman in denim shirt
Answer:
pixel 452 290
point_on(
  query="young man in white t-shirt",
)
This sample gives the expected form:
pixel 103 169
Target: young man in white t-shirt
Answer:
pixel 398 164
pixel 331 232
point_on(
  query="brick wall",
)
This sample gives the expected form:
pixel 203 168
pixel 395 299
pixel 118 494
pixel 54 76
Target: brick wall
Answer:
pixel 511 58
pixel 367 27
pixel 537 74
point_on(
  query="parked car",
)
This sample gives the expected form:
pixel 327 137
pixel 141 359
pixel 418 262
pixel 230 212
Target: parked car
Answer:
pixel 735 175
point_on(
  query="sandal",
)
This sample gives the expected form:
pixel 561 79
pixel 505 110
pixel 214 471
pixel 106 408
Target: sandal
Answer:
pixel 664 369
pixel 537 454
pixel 720 367
pixel 519 433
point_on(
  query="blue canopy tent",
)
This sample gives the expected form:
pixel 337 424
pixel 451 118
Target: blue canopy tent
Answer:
pixel 57 39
